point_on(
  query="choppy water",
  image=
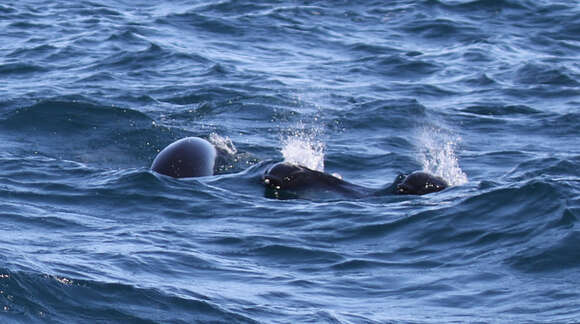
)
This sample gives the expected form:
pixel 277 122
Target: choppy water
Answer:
pixel 484 93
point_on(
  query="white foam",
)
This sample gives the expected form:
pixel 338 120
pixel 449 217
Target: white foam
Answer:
pixel 438 157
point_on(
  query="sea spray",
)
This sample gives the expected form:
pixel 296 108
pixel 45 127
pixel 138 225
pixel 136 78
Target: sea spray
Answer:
pixel 438 157
pixel 303 146
pixel 223 143
pixel 229 159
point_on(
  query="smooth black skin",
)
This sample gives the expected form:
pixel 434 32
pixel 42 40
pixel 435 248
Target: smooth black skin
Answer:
pixel 287 176
pixel 420 183
pixel 186 158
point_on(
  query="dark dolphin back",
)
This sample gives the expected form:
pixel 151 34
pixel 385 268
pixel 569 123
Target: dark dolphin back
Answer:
pixel 186 158
pixel 285 176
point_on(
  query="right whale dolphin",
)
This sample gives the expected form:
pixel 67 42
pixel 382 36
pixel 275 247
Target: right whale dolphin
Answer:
pixel 186 158
pixel 196 157
pixel 288 176
pixel 420 183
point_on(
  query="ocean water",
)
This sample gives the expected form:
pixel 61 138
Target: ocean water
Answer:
pixel 483 93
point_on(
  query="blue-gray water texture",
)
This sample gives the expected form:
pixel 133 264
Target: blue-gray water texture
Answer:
pixel 486 92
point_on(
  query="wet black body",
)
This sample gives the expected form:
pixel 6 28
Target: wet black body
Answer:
pixel 420 183
pixel 186 158
pixel 285 176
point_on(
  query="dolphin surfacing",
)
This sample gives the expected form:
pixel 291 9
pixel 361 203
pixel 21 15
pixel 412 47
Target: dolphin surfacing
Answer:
pixel 420 183
pixel 286 176
pixel 186 158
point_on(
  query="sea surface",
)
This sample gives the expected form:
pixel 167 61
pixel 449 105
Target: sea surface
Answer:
pixel 485 93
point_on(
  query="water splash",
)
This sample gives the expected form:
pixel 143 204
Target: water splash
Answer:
pixel 223 143
pixel 303 146
pixel 438 155
pixel 229 159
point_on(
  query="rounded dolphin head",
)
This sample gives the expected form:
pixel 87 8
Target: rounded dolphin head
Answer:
pixel 186 158
pixel 420 183
pixel 286 175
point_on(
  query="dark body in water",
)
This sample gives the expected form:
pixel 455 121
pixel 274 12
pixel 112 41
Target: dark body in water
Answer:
pixel 287 176
pixel 186 158
pixel 420 183
pixel 195 157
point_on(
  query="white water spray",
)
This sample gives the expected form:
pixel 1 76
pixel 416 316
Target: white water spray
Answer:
pixel 223 143
pixel 438 155
pixel 303 146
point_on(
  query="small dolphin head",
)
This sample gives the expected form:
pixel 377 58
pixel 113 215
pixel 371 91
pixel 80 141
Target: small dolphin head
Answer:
pixel 285 175
pixel 420 183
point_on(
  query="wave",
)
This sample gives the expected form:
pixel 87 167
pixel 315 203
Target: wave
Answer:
pixel 93 90
pixel 372 114
pixel 552 168
pixel 21 70
pixel 71 116
pixel 556 253
pixel 396 67
pixel 495 217
pixel 205 23
pixel 38 298
pixel 500 110
pixel 481 5
pixel 284 254
pixel 85 132
pixel 536 74
pixel 441 29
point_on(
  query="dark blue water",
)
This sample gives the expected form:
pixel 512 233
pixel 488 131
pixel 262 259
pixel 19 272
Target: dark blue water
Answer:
pixel 484 93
